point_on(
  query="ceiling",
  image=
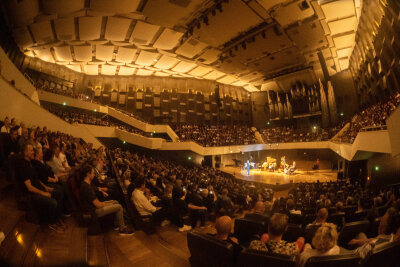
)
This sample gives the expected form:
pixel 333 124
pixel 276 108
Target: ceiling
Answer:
pixel 255 44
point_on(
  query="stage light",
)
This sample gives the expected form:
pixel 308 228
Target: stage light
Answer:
pixel 154 131
pixel 368 178
pixel 151 134
pixel 95 110
pixel 376 168
pixel 231 151
pixel 189 158
pixel 268 123
pixel 65 103
pixel 315 127
pixel 341 114
pixel 124 142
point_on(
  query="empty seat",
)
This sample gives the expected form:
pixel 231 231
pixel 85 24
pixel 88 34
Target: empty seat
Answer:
pixel 247 230
pixel 205 250
pixel 351 230
pixel 293 232
pixel 344 260
pixel 384 255
pixel 249 257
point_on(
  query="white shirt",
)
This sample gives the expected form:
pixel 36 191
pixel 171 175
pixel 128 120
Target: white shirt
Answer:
pixel 309 252
pixel 142 204
pixel 63 159
pixel 56 165
pixel 4 129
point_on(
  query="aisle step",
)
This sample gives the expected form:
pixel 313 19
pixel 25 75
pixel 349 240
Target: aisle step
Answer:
pixel 97 251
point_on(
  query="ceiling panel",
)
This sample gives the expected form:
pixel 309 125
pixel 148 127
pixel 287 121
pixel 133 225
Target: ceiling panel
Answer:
pixel 168 39
pixel 143 72
pixel 146 58
pixel 343 25
pixel 346 52
pixel 65 29
pixel 217 33
pixel 62 7
pixel 166 62
pixel 191 47
pixel 228 79
pixel 22 37
pixel 89 28
pixel 117 28
pixel 104 52
pixel 115 6
pixel 268 4
pixel 331 9
pixel 83 52
pixel 284 59
pixel 199 71
pixel 270 86
pixel 184 66
pixel 44 54
pixel 209 56
pixel 214 75
pixel 108 69
pixel 74 67
pixel 170 13
pixel 123 70
pixel 63 53
pixel 315 36
pixel 22 13
pixel 292 12
pixel 125 54
pixel 42 32
pixel 344 40
pixel 143 33
pixel 91 69
pixel 162 74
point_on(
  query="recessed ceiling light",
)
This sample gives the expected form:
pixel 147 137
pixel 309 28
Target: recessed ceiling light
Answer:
pixel 155 59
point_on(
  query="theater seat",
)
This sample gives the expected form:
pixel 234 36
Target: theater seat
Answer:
pixel 310 232
pixel 293 232
pixel 384 255
pixel 247 230
pixel 296 219
pixel 344 260
pixel 205 250
pixel 351 230
pixel 249 257
pixel 337 218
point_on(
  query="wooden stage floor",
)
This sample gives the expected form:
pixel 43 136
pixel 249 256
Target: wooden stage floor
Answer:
pixel 266 177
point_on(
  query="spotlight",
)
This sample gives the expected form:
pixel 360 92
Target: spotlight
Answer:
pixel 124 142
pixel 244 45
pixel 376 168
pixel 65 103
pixel 263 35
pixel 341 114
pixel 189 158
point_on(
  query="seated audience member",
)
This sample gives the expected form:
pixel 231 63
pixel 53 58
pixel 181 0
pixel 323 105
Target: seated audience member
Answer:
pixel 223 225
pixel 388 231
pixel 273 243
pixel 258 213
pixel 322 216
pixel 54 162
pixel 290 207
pixel 6 127
pixel 45 199
pixel 91 203
pixel 225 205
pixel 324 243
pixel 197 204
pixel 179 205
pixel 143 204
pixel 11 143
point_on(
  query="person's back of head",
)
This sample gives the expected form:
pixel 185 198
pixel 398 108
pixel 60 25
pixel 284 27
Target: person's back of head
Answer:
pixel 290 204
pixel 339 206
pixel 278 224
pixel 322 215
pixel 139 182
pixel 325 237
pixel 223 225
pixel 259 207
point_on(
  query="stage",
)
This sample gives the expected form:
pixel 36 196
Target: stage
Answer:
pixel 267 177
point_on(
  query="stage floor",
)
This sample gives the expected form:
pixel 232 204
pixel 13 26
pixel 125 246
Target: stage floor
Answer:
pixel 258 175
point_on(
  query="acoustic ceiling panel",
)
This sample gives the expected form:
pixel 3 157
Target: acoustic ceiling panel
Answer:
pixel 44 54
pixel 42 32
pixel 22 37
pixel 22 13
pixel 199 71
pixel 343 41
pixel 76 68
pixel 343 25
pixel 292 12
pixel 143 33
pixel 209 56
pixel 184 66
pixel 91 69
pixel 191 47
pixel 89 28
pixel 214 75
pixel 65 29
pixel 63 53
pixel 166 62
pixel 83 53
pixel 126 70
pixel 143 72
pixel 125 54
pixel 115 6
pixel 62 7
pixel 168 39
pixel 117 28
pixel 104 52
pixel 331 9
pixel 108 69
pixel 146 58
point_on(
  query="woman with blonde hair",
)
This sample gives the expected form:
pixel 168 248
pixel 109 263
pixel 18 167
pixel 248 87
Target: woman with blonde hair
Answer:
pixel 324 243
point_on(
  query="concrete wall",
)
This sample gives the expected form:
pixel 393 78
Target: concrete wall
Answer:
pixel 345 93
pixel 16 105
pixel 393 125
pixel 259 112
pixel 10 72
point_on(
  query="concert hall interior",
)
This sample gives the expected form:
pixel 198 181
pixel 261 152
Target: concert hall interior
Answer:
pixel 200 133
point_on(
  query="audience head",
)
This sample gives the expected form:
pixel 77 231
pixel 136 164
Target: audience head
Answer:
pixel 339 206
pixel 389 222
pixel 325 237
pixel 322 215
pixel 87 172
pixel 140 183
pixel 14 133
pixel 38 153
pixel 259 207
pixel 223 225
pixel 278 224
pixel 29 153
pixel 290 204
